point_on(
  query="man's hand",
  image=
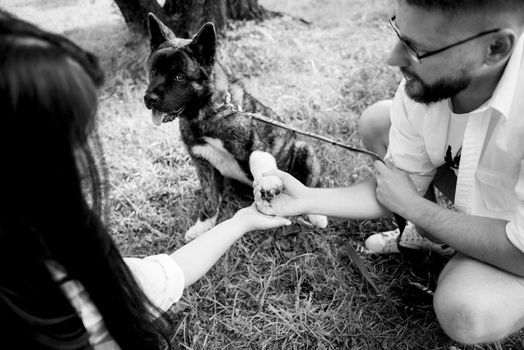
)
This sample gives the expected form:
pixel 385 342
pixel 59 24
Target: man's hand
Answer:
pixel 290 202
pixel 395 189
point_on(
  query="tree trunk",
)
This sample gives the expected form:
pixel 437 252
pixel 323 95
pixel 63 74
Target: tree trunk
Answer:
pixel 245 10
pixel 135 13
pixel 185 17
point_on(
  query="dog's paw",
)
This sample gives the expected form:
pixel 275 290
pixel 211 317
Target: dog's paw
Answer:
pixel 199 228
pixel 319 221
pixel 269 187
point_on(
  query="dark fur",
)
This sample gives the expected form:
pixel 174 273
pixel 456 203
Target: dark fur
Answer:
pixel 201 91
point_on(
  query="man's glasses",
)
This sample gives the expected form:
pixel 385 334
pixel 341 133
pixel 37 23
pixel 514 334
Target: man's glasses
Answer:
pixel 415 54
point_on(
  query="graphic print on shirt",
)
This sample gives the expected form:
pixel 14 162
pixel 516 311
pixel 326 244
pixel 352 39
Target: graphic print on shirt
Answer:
pixel 451 161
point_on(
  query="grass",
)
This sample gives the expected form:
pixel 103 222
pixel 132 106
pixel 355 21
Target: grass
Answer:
pixel 291 288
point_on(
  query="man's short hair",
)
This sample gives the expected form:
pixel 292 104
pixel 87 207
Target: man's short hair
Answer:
pixel 470 6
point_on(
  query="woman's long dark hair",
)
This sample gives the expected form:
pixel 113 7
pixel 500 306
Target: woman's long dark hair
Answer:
pixel 48 103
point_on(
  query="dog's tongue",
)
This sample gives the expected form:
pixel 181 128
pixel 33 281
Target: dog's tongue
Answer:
pixel 157 117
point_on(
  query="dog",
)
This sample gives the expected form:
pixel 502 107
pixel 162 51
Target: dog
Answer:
pixel 187 82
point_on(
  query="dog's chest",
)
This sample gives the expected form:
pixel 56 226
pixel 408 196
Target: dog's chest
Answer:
pixel 214 152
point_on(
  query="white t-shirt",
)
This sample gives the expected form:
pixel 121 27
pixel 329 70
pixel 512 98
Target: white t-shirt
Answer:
pixel 457 125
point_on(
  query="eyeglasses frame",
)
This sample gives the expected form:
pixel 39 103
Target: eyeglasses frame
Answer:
pixel 412 52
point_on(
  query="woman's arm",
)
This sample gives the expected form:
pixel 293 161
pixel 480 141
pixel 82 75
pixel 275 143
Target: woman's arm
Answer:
pixel 198 256
pixel 357 201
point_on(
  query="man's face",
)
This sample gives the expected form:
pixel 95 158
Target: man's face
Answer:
pixel 437 77
pixel 441 89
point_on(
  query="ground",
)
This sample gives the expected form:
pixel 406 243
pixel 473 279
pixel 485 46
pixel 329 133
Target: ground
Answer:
pixel 291 288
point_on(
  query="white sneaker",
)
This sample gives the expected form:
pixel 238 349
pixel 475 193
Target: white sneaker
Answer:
pixel 386 242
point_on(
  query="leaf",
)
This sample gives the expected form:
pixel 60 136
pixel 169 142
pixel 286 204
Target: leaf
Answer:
pixel 361 265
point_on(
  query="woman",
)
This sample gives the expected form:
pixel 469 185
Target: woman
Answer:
pixel 63 283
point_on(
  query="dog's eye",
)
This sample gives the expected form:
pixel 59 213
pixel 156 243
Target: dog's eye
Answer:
pixel 180 77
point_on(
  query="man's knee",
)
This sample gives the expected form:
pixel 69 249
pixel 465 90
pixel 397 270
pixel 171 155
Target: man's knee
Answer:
pixel 374 126
pixel 465 311
pixel 462 316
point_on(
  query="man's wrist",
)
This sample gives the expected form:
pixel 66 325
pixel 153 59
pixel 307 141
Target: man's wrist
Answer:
pixel 413 208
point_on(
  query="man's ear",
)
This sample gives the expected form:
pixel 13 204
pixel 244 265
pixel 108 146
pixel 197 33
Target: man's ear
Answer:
pixel 158 31
pixel 501 46
pixel 204 44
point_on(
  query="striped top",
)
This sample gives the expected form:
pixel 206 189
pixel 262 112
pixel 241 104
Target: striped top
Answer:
pixel 159 276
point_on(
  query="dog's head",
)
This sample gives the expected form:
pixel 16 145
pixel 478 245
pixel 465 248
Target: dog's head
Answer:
pixel 179 71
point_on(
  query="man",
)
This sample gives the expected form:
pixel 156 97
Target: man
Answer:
pixel 461 103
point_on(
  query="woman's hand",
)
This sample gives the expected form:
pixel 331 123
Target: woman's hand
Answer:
pixel 252 219
pixel 395 189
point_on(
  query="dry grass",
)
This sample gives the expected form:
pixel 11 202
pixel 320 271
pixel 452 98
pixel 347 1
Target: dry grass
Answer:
pixel 292 288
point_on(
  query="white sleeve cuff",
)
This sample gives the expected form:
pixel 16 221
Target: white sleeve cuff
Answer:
pixel 160 278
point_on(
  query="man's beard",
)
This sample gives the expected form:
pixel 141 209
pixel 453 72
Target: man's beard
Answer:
pixel 442 89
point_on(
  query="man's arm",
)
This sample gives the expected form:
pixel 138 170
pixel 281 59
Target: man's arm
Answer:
pixel 479 237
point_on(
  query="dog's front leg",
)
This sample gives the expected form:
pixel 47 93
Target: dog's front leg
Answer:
pixel 259 163
pixel 212 184
pixel 271 186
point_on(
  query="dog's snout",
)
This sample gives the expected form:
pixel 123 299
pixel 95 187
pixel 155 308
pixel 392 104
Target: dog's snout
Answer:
pixel 151 100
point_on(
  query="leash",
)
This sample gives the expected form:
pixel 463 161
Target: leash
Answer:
pixel 312 135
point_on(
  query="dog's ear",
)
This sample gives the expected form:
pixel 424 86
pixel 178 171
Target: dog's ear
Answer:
pixel 158 32
pixel 204 44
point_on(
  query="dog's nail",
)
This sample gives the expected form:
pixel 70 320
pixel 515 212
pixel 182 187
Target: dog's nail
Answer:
pixel 266 194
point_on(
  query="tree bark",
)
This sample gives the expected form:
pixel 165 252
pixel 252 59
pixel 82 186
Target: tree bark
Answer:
pixel 185 17
pixel 135 13
pixel 245 10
